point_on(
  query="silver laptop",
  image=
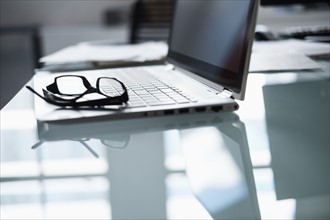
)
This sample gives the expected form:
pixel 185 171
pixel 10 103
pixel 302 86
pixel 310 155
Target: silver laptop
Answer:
pixel 205 70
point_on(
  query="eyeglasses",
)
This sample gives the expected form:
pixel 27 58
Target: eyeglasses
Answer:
pixel 76 91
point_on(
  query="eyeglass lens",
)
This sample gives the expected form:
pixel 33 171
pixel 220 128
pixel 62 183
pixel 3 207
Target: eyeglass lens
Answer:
pixel 70 85
pixel 110 87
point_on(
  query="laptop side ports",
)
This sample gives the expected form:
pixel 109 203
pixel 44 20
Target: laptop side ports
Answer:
pixel 217 108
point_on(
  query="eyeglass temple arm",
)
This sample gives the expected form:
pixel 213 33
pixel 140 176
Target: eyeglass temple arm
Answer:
pixel 33 91
pixel 46 100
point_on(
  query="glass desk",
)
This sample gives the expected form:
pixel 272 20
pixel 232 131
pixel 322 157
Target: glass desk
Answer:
pixel 268 160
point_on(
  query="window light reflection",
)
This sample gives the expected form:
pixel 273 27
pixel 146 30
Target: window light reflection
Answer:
pixel 74 198
pixel 13 169
pixel 174 159
pixel 74 167
pixel 91 209
pixel 181 202
pixel 24 119
pixel 270 207
pixel 33 211
pixel 213 167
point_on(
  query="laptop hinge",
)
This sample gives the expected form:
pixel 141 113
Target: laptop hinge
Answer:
pixel 227 93
pixel 169 66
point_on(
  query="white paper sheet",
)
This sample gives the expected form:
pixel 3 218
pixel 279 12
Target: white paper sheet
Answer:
pixel 286 55
pixel 271 62
pixel 85 52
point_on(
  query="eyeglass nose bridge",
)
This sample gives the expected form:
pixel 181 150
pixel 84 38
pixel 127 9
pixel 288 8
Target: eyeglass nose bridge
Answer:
pixel 86 82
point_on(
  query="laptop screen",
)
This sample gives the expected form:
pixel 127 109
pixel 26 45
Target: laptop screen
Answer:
pixel 210 38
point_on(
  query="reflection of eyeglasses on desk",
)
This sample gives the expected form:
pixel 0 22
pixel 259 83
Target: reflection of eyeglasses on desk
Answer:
pixel 115 142
pixel 76 91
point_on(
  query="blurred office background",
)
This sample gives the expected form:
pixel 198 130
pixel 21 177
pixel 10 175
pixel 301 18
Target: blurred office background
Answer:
pixel 31 29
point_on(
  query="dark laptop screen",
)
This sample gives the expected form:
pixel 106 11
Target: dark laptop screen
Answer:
pixel 210 39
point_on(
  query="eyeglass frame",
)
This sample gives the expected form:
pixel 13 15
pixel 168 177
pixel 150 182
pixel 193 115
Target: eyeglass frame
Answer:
pixel 52 89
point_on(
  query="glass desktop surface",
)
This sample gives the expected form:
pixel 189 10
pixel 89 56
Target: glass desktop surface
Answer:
pixel 268 160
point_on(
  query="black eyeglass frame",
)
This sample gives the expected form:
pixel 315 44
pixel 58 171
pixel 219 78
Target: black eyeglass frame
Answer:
pixel 52 89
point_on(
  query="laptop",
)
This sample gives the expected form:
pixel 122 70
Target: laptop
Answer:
pixel 205 70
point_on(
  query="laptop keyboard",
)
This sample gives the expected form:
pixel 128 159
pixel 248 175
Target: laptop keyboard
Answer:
pixel 146 90
pixel 155 93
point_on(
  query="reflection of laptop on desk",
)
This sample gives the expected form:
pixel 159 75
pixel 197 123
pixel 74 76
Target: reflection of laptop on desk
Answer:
pixel 220 170
pixel 208 61
pixel 207 166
